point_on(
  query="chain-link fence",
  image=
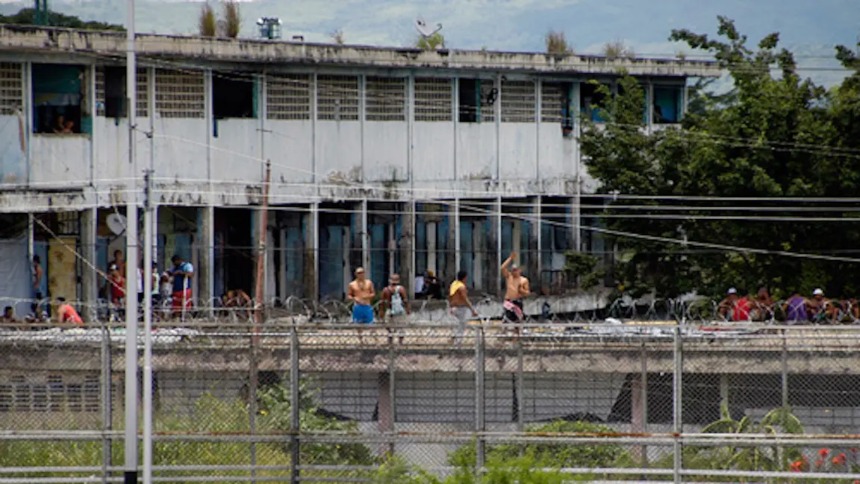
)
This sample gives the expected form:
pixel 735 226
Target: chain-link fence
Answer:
pixel 304 397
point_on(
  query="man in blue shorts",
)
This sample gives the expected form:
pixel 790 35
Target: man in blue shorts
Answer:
pixel 361 293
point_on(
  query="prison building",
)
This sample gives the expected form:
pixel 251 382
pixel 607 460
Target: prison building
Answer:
pixel 395 159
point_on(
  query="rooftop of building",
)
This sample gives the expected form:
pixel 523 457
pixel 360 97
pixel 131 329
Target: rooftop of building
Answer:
pixel 48 41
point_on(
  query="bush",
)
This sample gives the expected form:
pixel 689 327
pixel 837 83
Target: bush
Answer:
pixel 551 454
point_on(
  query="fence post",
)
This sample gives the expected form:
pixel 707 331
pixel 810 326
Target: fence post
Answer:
pixel 520 384
pixel 479 402
pixel 294 405
pixel 678 427
pixel 107 397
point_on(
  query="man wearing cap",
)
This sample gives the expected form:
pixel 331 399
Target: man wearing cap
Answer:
pixel 516 288
pixel 820 309
pixel 361 293
pixel 182 273
pixel 734 307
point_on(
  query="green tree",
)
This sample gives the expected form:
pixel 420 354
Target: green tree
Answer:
pixel 774 135
pixel 27 16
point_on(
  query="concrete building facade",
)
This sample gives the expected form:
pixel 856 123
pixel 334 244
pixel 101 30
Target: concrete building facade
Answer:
pixel 394 159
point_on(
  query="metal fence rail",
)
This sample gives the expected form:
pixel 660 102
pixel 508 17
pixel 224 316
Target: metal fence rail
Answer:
pixel 297 401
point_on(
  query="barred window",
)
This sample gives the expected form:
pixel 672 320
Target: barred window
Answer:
pixel 550 103
pixel 142 93
pixel 489 98
pixel 11 88
pixel 385 99
pixel 111 91
pixel 433 99
pixel 518 102
pixel 179 94
pixel 52 394
pixel 337 98
pixel 288 96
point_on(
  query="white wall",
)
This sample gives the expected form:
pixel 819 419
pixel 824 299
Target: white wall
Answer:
pixel 518 150
pixel 59 160
pixel 338 148
pixel 386 151
pixel 476 150
pixel 433 151
pixel 236 155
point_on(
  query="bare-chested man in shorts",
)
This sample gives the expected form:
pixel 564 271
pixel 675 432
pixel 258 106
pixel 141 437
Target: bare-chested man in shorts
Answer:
pixel 361 293
pixel 516 288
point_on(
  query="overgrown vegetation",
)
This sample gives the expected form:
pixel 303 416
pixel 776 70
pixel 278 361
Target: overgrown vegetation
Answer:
pixel 232 18
pixel 556 44
pixel 774 134
pixel 27 16
pixel 618 49
pixel 435 41
pixel 207 24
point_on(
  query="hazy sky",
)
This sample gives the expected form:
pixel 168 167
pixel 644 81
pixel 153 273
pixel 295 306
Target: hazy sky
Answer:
pixel 809 27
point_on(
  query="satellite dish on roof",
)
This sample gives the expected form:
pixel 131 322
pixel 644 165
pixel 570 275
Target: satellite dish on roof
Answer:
pixel 116 223
pixel 425 30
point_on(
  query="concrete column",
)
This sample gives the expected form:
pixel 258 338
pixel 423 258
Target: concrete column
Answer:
pixel 365 238
pixel 496 247
pixel 534 269
pixel 206 256
pixel 453 256
pixel 89 277
pixel 637 412
pixel 571 150
pixel 312 246
pixel 407 249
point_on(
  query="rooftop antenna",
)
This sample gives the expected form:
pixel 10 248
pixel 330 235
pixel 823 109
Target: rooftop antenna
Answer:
pixel 425 30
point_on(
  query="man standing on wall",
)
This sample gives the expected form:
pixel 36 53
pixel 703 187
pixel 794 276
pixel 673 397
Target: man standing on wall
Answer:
pixel 458 301
pixel 516 289
pixel 361 293
pixel 182 273
pixel 395 303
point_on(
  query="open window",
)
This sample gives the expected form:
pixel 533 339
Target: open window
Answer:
pixel 470 100
pixel 590 99
pixel 233 98
pixel 115 86
pixel 58 99
pixel 666 108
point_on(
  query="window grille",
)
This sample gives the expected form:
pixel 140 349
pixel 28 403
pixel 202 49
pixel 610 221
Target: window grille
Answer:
pixel 11 88
pixel 550 103
pixel 100 91
pixel 51 394
pixel 518 102
pixel 179 94
pixel 337 98
pixel 489 98
pixel 433 99
pixel 385 99
pixel 288 96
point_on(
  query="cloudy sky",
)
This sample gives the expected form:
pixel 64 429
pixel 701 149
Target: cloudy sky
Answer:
pixel 809 27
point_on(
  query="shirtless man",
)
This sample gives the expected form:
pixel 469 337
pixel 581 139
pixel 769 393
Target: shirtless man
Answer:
pixel 361 293
pixel 516 288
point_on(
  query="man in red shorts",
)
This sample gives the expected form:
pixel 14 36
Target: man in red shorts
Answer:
pixel 182 273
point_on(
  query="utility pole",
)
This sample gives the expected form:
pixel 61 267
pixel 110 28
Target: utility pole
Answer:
pixel 147 327
pixel 130 469
pixel 259 308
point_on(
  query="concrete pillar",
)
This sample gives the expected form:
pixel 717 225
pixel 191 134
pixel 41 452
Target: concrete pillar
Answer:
pixel 312 246
pixel 534 268
pixel 407 249
pixel 638 412
pixel 453 255
pixel 496 248
pixel 89 277
pixel 206 256
pixel 364 230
